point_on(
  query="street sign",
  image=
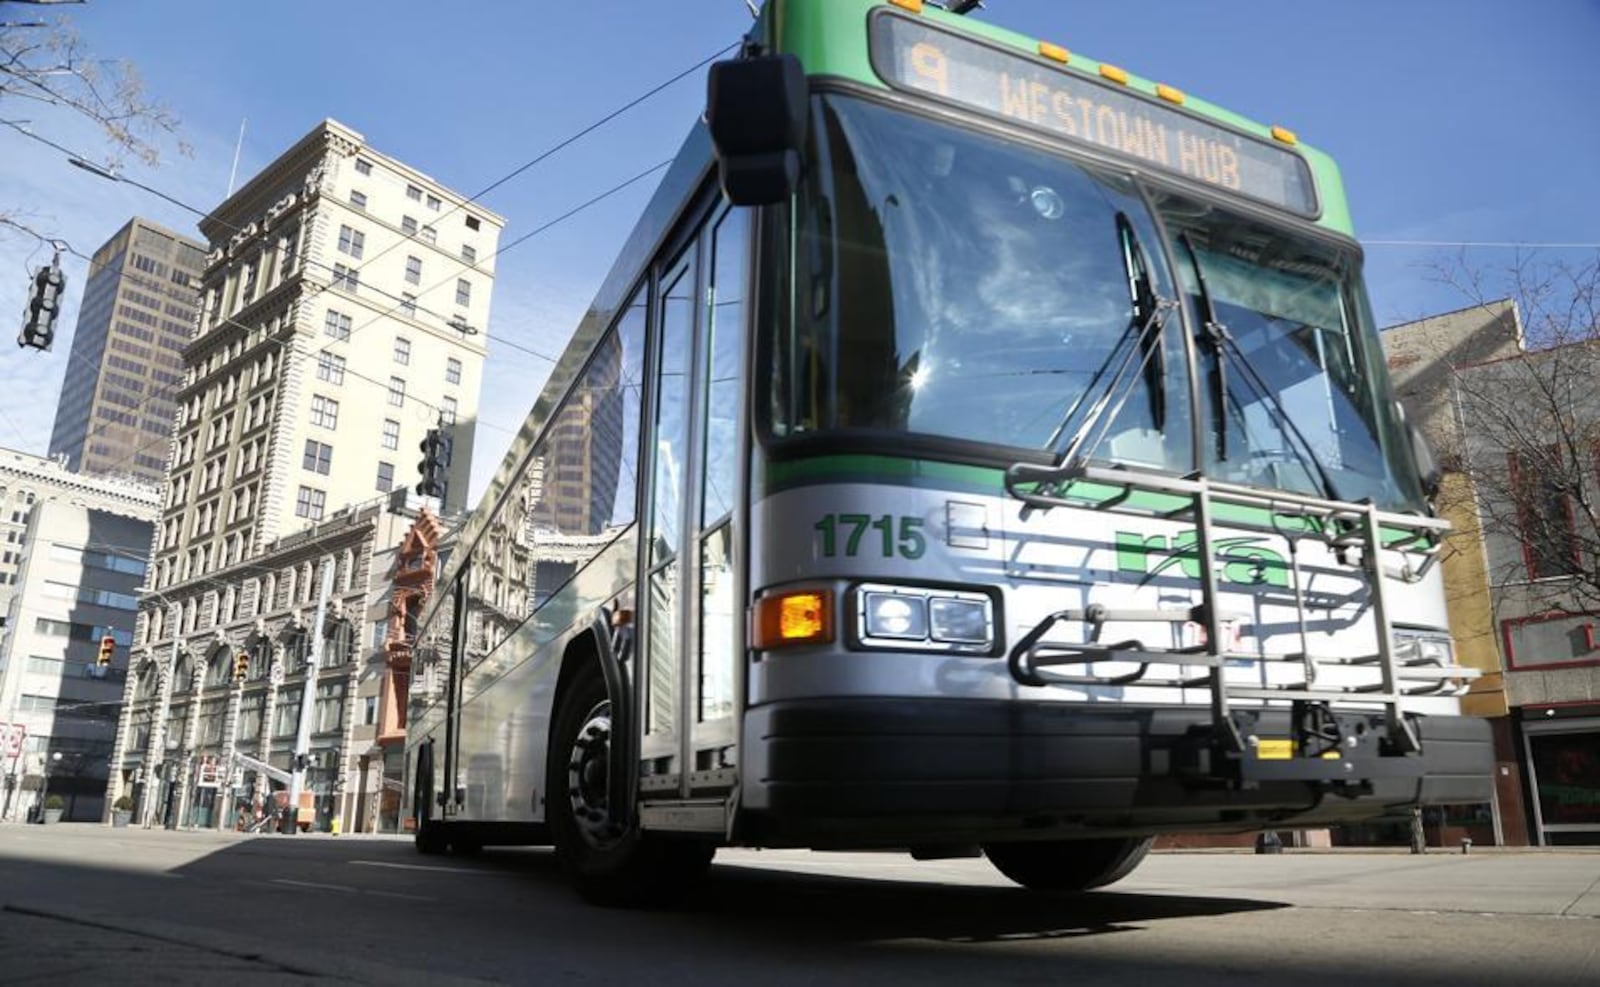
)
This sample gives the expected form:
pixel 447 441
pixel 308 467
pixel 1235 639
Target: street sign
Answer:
pixel 12 737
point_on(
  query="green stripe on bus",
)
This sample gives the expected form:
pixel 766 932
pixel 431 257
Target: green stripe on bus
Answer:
pixel 932 474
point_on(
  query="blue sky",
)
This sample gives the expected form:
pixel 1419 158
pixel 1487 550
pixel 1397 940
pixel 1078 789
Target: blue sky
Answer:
pixel 1454 120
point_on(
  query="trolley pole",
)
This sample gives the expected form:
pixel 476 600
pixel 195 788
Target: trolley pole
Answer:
pixel 308 697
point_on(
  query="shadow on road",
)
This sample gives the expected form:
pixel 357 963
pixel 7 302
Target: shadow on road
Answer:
pixel 849 909
pixel 376 906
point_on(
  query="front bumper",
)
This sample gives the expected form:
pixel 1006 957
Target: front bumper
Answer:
pixel 877 771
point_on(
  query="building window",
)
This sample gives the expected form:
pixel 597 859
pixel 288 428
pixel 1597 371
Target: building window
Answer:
pixel 413 270
pixel 286 716
pixel 391 434
pixel 352 241
pixel 336 324
pixel 358 199
pixel 347 278
pixel 469 253
pixel 472 222
pixel 330 707
pixel 452 371
pixel 397 392
pixel 1545 514
pixel 430 235
pixel 434 203
pixel 463 291
pixel 408 303
pixel 369 711
pixel 324 411
pixel 319 457
pixel 402 350
pixel 385 477
pixel 330 368
pixel 413 193
pixel 408 225
pixel 447 410
pixel 308 503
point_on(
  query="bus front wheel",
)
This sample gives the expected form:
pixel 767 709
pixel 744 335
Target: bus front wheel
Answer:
pixel 1068 865
pixel 609 863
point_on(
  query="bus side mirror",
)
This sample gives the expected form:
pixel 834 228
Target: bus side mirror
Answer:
pixel 1421 454
pixel 756 111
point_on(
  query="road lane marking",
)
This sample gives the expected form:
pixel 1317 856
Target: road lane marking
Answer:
pixel 319 887
pixel 445 870
pixel 400 894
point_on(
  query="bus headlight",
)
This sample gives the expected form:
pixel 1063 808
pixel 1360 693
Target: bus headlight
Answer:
pixel 895 615
pixel 924 619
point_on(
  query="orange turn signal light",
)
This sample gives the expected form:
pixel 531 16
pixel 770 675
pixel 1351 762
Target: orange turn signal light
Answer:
pixel 795 617
pixel 915 6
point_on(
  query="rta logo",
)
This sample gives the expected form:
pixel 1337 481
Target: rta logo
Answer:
pixel 1243 559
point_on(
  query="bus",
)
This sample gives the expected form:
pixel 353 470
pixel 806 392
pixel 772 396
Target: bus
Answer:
pixel 975 448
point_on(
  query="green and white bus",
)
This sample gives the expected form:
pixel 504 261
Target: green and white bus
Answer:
pixel 974 448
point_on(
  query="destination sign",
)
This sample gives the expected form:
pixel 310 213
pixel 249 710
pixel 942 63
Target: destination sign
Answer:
pixel 911 55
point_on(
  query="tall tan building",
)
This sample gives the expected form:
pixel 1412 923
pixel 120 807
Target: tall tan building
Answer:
pixel 137 314
pixel 341 314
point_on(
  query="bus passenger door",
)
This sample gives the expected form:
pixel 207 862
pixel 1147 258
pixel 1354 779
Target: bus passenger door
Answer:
pixel 690 632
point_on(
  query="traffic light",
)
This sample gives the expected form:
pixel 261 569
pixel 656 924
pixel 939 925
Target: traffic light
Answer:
pixel 108 647
pixel 435 456
pixel 44 304
pixel 241 666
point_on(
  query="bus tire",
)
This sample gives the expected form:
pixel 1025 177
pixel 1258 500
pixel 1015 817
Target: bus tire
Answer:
pixel 1069 865
pixel 607 864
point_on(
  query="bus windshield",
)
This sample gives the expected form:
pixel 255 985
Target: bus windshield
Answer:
pixel 953 285
pixel 1284 355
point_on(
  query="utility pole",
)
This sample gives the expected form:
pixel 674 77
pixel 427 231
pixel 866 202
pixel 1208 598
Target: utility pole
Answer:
pixel 308 696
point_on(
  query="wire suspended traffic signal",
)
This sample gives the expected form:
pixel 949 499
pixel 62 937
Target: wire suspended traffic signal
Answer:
pixel 44 304
pixel 435 456
pixel 108 648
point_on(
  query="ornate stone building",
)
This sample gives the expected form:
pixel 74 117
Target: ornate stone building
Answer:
pixel 341 308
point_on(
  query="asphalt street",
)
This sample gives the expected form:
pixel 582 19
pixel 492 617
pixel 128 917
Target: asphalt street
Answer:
pixel 80 904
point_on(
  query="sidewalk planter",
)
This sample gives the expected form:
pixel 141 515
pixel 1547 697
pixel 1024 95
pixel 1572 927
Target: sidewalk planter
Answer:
pixel 52 816
pixel 53 807
pixel 121 817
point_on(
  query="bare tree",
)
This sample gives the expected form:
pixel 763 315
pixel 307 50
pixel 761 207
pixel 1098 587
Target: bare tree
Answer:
pixel 43 62
pixel 1527 431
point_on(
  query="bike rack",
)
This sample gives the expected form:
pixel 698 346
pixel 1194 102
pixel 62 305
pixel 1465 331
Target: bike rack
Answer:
pixel 1345 747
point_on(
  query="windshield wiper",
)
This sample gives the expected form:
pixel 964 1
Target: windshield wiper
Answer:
pixel 1223 347
pixel 1142 339
pixel 1214 332
pixel 1142 293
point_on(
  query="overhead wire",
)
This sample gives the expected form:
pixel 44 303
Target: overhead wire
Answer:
pixel 316 288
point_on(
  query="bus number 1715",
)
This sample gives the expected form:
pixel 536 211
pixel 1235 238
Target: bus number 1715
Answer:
pixel 900 536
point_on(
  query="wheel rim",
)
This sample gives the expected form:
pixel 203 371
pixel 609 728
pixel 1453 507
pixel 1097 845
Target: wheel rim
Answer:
pixel 589 779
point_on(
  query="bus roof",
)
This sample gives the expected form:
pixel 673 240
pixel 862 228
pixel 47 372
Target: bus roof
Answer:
pixel 831 39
